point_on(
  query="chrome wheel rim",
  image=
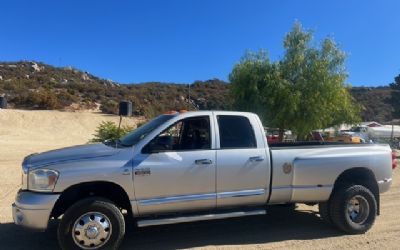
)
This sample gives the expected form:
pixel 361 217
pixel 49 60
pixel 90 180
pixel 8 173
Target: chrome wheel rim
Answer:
pixel 92 230
pixel 358 209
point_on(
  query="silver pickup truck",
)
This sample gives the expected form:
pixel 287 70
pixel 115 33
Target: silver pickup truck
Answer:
pixel 192 166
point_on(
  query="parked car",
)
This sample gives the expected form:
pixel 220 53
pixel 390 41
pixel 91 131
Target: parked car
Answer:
pixel 193 166
pixel 273 135
pixel 272 139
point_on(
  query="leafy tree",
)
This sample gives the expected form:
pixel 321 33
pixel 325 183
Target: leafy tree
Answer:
pixel 395 97
pixel 303 91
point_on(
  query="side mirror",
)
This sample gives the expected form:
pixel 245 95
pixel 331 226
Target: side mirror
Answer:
pixel 158 144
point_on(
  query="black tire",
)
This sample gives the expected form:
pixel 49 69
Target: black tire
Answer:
pixel 339 210
pixel 91 205
pixel 324 212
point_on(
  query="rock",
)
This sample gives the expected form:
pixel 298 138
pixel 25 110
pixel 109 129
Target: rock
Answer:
pixel 182 98
pixel 85 77
pixel 64 81
pixel 27 76
pixel 35 67
pixel 1 78
pixel 110 83
pixel 12 66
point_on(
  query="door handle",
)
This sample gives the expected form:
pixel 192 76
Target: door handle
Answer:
pixel 203 162
pixel 256 158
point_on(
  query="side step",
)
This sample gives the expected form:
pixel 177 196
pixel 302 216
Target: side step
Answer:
pixel 193 218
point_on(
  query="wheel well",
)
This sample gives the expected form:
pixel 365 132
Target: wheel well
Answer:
pixel 360 176
pixel 108 190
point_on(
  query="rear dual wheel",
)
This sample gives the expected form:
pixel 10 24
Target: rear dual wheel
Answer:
pixel 351 208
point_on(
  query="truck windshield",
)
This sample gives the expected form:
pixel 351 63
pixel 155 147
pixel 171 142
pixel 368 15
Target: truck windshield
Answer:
pixel 138 134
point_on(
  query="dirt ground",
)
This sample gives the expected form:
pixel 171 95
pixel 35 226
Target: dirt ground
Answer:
pixel 25 132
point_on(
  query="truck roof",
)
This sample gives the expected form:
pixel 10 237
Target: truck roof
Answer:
pixel 196 112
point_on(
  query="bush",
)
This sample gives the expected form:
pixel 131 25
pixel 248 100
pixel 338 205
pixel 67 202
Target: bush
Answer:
pixel 42 99
pixel 109 107
pixel 109 131
pixel 65 98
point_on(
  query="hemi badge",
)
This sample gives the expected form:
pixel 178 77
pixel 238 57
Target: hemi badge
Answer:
pixel 143 171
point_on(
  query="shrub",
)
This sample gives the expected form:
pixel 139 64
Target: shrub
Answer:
pixel 109 131
pixel 109 107
pixel 65 98
pixel 42 99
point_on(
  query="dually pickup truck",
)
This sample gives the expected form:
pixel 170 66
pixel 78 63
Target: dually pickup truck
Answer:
pixel 192 166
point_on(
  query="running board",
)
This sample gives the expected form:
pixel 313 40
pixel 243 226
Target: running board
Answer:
pixel 193 218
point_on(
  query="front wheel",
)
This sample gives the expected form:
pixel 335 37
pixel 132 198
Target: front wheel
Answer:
pixel 92 223
pixel 353 209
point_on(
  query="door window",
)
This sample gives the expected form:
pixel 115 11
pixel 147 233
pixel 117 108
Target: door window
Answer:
pixel 187 134
pixel 235 132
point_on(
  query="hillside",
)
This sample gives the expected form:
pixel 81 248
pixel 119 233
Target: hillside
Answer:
pixel 33 85
pixel 375 102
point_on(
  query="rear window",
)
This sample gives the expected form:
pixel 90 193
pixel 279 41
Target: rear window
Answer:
pixel 235 132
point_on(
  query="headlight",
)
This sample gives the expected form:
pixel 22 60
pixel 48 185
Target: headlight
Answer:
pixel 42 180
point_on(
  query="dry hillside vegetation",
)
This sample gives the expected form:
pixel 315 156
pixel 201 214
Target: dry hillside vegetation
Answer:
pixel 33 85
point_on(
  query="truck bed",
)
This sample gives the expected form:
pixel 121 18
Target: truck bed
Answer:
pixel 306 171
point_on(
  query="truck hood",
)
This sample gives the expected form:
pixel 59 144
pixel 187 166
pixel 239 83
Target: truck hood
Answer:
pixel 69 154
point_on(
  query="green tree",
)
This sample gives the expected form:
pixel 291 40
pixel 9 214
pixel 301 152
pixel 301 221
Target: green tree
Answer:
pixel 395 97
pixel 303 91
pixel 109 131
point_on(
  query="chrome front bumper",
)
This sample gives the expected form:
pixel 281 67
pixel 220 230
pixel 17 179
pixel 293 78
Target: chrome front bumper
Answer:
pixel 32 210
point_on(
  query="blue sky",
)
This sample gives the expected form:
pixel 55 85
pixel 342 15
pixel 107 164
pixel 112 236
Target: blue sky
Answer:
pixel 187 40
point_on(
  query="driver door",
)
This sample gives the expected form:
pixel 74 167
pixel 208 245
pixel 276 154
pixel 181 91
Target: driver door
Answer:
pixel 176 170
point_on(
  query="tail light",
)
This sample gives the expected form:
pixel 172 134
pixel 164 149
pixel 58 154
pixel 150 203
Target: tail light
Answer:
pixel 394 160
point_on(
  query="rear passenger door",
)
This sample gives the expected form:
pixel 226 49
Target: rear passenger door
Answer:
pixel 243 166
